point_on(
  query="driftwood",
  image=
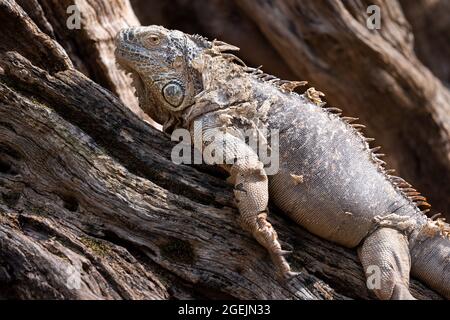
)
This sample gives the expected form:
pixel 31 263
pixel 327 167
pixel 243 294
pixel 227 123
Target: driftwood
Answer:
pixel 87 189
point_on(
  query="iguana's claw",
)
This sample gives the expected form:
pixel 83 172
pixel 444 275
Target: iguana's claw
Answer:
pixel 284 252
pixel 288 275
pixel 291 274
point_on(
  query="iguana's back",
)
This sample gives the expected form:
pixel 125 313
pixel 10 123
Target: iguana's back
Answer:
pixel 329 181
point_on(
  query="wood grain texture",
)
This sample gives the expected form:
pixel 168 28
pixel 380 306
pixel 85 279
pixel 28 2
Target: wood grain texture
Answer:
pixel 431 28
pixel 90 48
pixel 220 19
pixel 87 186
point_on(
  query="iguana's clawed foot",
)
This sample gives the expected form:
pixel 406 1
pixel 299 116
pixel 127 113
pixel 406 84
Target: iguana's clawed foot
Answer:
pixel 284 271
pixel 283 268
pixel 266 235
pixel 284 252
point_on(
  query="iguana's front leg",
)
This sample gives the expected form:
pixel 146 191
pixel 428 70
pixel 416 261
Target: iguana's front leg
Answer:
pixel 251 193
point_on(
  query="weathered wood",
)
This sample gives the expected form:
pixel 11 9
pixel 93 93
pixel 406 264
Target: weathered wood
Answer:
pixel 431 28
pixel 21 34
pixel 91 47
pixel 219 19
pixel 86 186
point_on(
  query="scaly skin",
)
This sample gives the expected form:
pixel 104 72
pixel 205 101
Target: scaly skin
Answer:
pixel 329 180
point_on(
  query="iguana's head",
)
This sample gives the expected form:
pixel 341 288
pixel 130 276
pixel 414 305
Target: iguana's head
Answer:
pixel 160 63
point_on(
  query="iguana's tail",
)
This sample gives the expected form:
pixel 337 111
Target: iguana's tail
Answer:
pixel 430 256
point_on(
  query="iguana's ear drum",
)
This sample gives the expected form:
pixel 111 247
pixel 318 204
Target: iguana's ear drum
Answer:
pixel 173 93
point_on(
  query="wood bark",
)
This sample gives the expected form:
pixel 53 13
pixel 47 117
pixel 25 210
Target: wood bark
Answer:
pixel 431 28
pixel 87 188
pixel 90 47
pixel 371 74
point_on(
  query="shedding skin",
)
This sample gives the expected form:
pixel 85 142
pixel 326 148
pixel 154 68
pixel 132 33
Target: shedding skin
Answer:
pixel 330 181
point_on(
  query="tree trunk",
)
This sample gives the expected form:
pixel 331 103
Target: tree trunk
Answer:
pixel 92 207
pixel 90 47
pixel 431 27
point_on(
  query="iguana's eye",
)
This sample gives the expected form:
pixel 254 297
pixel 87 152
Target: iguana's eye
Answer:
pixel 153 40
pixel 173 92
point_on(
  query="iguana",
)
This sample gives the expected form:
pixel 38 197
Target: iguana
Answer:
pixel 329 180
